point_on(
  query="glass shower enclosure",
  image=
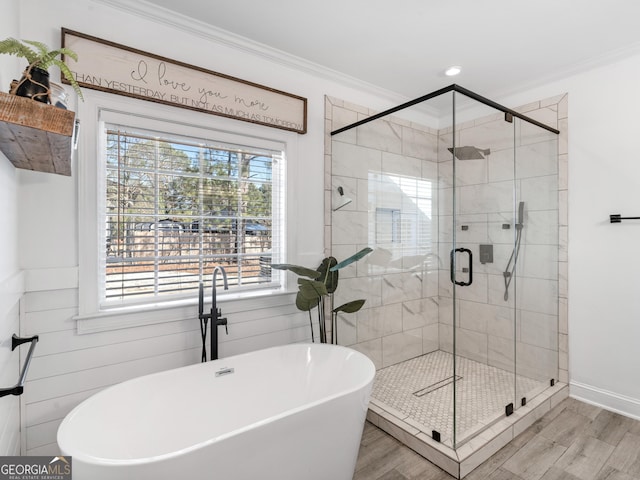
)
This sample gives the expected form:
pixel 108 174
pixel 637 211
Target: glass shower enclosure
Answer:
pixel 458 197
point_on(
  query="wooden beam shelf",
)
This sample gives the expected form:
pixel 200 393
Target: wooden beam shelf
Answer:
pixel 36 136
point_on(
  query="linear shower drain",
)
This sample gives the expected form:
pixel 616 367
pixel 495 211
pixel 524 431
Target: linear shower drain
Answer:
pixel 435 386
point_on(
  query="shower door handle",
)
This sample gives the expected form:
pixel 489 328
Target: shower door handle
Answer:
pixel 452 268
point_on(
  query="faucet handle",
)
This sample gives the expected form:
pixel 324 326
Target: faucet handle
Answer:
pixel 223 321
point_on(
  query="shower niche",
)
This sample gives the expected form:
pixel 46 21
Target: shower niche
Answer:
pixel 459 198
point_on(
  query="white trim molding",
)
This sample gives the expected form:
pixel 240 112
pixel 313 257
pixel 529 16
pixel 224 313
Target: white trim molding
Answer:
pixel 615 402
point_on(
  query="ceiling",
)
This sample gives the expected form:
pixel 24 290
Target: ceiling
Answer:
pixel 503 46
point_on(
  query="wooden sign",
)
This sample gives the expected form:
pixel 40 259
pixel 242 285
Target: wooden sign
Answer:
pixel 114 68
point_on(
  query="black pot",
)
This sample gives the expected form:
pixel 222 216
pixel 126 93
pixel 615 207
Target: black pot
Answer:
pixel 34 84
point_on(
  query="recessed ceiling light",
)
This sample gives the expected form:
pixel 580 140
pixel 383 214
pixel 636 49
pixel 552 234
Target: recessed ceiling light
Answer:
pixel 453 70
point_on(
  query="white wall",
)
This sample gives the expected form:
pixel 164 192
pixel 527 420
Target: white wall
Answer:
pixel 10 277
pixel 604 178
pixel 68 367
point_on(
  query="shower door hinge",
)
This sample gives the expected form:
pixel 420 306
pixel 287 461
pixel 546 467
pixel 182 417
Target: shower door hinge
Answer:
pixel 435 435
pixel 508 410
pixel 523 401
pixel 552 382
pixel 508 117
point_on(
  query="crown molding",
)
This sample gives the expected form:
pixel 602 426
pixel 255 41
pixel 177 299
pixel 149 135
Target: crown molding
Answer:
pixel 214 34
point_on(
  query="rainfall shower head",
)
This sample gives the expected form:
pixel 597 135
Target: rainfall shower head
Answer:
pixel 470 153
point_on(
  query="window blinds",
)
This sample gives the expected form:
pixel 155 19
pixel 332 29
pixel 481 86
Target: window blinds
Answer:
pixel 176 208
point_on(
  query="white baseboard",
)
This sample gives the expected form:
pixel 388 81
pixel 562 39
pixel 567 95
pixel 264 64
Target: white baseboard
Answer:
pixel 627 406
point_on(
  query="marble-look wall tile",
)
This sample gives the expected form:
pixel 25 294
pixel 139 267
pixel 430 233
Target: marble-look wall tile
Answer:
pixel 473 345
pixel 379 322
pixel 494 135
pixel 349 227
pixel 541 228
pixel 486 198
pixel 530 133
pixel 539 261
pixel 476 292
pixel 346 329
pixel 500 165
pixel 341 117
pixel 468 172
pixel 372 349
pixel 538 295
pixel 535 362
pixel 476 316
pixel 537 159
pixel 446 337
pixel 430 338
pixel 401 346
pixel 430 282
pixel 563 138
pixel 401 287
pixel 419 313
pixel 357 161
pixel 430 173
pixel 419 144
pixel 504 323
pixel 367 288
pixel 540 193
pixel 539 329
pixel 382 135
pixel 563 315
pixel 395 164
pixel 470 228
pixel 563 243
pixel 500 353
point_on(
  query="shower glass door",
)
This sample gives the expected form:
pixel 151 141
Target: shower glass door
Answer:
pixel 536 275
pixel 481 249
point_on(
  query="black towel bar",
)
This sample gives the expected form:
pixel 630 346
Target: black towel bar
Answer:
pixel 616 218
pixel 18 388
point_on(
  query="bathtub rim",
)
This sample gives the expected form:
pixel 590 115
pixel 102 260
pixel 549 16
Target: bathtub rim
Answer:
pixel 94 460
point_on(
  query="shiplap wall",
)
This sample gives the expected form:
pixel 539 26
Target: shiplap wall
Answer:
pixel 10 277
pixel 10 291
pixel 68 368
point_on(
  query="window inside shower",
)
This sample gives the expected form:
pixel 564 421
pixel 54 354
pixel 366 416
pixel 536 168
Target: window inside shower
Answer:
pixel 460 203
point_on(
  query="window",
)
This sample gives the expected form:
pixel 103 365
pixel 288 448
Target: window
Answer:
pixel 174 207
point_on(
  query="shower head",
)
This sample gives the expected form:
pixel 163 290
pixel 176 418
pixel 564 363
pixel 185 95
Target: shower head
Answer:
pixel 342 201
pixel 470 153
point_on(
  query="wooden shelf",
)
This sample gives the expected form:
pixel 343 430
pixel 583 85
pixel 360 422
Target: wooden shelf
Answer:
pixel 36 136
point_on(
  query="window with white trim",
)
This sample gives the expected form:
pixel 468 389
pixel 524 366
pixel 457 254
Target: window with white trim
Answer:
pixel 174 207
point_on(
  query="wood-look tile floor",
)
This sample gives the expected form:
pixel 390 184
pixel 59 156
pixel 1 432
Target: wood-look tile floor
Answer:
pixel 573 441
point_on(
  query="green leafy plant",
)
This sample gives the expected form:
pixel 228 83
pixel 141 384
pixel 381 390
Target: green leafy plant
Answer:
pixel 317 289
pixel 39 56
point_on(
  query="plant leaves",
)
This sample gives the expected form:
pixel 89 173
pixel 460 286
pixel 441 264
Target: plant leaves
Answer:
pixel 302 271
pixel 306 304
pixel 311 289
pixel 353 258
pixel 327 275
pixel 350 307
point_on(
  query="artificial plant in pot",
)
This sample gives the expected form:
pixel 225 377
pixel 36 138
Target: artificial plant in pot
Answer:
pixel 316 290
pixel 34 83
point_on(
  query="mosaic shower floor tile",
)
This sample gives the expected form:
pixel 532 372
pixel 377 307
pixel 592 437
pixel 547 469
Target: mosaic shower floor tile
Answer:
pixel 422 390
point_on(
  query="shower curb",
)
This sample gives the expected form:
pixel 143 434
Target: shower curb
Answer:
pixel 470 455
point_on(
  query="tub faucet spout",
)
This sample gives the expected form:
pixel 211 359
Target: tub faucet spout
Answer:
pixel 216 313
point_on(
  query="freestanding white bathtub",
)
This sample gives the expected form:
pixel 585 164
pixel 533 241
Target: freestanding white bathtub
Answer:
pixel 293 412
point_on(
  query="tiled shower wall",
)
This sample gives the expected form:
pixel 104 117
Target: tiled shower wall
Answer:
pixel 391 167
pixel 407 313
